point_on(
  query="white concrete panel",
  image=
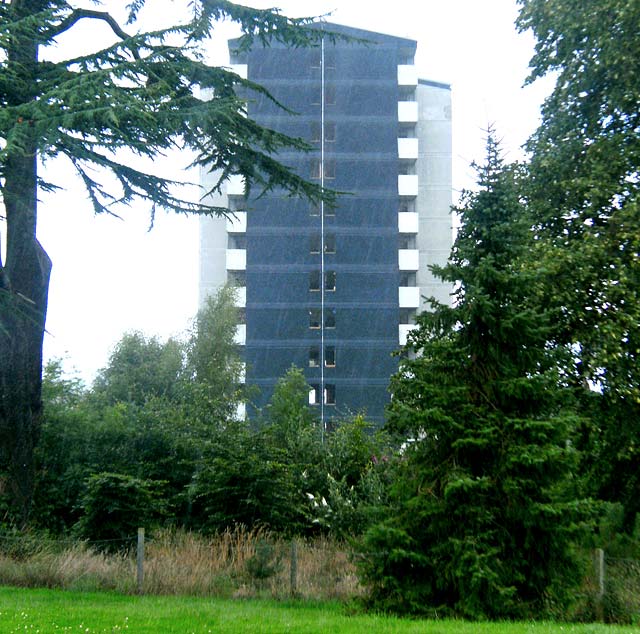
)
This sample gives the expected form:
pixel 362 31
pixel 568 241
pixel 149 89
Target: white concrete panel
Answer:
pixel 240 337
pixel 408 148
pixel 407 184
pixel 235 185
pixel 408 259
pixel 409 296
pixel 240 69
pixel 407 75
pixel 241 411
pixel 237 223
pixel 403 331
pixel 408 222
pixel 408 111
pixel 236 260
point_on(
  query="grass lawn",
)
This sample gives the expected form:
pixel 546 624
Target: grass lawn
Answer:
pixel 55 611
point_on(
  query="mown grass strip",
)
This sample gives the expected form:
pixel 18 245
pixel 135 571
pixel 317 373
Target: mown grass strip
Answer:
pixel 55 611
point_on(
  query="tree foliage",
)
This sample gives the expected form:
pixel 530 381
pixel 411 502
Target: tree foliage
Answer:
pixel 140 368
pixel 584 193
pixel 484 505
pixel 213 369
pixel 105 111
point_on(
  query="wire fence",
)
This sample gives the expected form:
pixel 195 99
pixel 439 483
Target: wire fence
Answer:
pixel 620 590
pixel 236 563
pixel 248 563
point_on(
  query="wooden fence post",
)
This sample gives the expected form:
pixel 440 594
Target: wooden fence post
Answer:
pixel 140 560
pixel 599 570
pixel 293 577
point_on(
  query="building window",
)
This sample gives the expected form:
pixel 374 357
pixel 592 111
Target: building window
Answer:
pixel 314 243
pixel 241 316
pixel 329 211
pixel 329 394
pixel 330 132
pixel 314 394
pixel 315 317
pixel 329 318
pixel 408 315
pixel 407 93
pixel 236 241
pixel 237 278
pixel 406 206
pixel 237 203
pixel 329 168
pixel 330 243
pixel 329 60
pixel 316 132
pixel 408 278
pixel 329 95
pixel 314 357
pixel 330 356
pixel 407 131
pixel 314 280
pixel 407 241
pixel 314 209
pixel 329 281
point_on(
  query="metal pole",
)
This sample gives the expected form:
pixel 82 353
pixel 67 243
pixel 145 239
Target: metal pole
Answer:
pixel 322 280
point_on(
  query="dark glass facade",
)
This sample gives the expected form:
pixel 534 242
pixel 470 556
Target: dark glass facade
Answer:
pixel 322 288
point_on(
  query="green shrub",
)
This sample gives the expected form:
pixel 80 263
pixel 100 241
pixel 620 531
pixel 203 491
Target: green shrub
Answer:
pixel 114 506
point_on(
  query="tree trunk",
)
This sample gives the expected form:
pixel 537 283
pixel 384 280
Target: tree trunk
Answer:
pixel 24 285
pixel 22 319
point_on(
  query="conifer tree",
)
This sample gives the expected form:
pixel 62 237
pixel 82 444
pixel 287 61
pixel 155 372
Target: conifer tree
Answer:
pixel 142 94
pixel 484 510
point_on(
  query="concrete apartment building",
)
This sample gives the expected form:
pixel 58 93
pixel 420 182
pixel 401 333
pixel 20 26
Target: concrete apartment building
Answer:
pixel 336 290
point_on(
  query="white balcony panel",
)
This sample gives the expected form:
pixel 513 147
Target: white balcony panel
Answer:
pixel 235 185
pixel 404 330
pixel 408 148
pixel 408 222
pixel 241 296
pixel 407 75
pixel 409 296
pixel 242 377
pixel 408 111
pixel 236 260
pixel 237 223
pixel 407 184
pixel 408 259
pixel 240 69
pixel 240 337
pixel 241 411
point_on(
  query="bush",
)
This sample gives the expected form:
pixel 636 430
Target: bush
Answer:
pixel 114 506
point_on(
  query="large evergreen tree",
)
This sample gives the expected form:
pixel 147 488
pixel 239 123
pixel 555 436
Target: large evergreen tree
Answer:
pixel 140 94
pixel 584 192
pixel 484 510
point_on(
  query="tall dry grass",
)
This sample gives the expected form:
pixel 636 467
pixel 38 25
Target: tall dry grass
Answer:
pixel 236 563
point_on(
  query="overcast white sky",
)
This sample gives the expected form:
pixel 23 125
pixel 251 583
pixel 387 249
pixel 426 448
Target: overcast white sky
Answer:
pixel 111 276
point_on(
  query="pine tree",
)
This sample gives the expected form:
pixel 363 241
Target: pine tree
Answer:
pixel 484 508
pixel 141 95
